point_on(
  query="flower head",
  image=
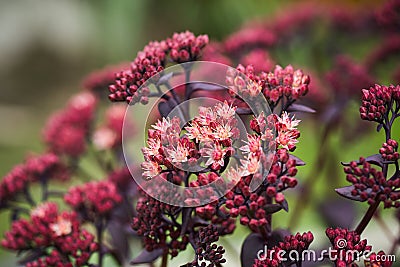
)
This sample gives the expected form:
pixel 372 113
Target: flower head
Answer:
pixel 377 100
pixel 185 46
pixel 369 183
pixel 342 241
pixel 298 243
pixel 93 198
pixel 66 131
pixel 215 154
pixel 52 231
pixel 281 82
pixel 287 131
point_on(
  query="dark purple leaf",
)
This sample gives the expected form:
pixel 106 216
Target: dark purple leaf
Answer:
pixel 299 162
pixel 250 248
pixel 277 236
pixel 147 256
pixel 254 243
pixel 338 212
pixel 346 192
pixel 379 127
pixel 272 208
pixel 119 241
pixel 375 159
pixel 285 205
pixel 300 108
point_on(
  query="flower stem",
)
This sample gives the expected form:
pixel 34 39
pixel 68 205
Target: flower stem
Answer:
pixel 99 230
pixel 367 217
pixel 387 125
pixel 164 261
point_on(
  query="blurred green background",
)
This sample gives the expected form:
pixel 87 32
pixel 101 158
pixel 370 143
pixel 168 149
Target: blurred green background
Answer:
pixel 48 46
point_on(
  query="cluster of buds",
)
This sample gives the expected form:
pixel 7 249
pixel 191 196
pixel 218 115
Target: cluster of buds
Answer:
pixel 298 243
pixel 98 81
pixel 43 167
pixel 13 183
pixel 389 150
pixel 128 83
pixel 281 82
pixel 66 131
pixel 369 184
pixel 182 47
pixel 57 236
pixel 254 207
pixel 251 207
pixel 157 230
pixel 342 241
pixel 39 168
pixel 281 175
pixel 377 101
pixel 206 251
pixel 93 198
pixel 185 46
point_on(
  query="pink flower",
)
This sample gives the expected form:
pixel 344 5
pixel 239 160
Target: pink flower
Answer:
pixel 104 138
pixel 150 169
pixel 61 226
pixel 153 147
pixel 178 153
pixel 253 146
pixel 250 165
pixel 215 154
pixel 287 132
